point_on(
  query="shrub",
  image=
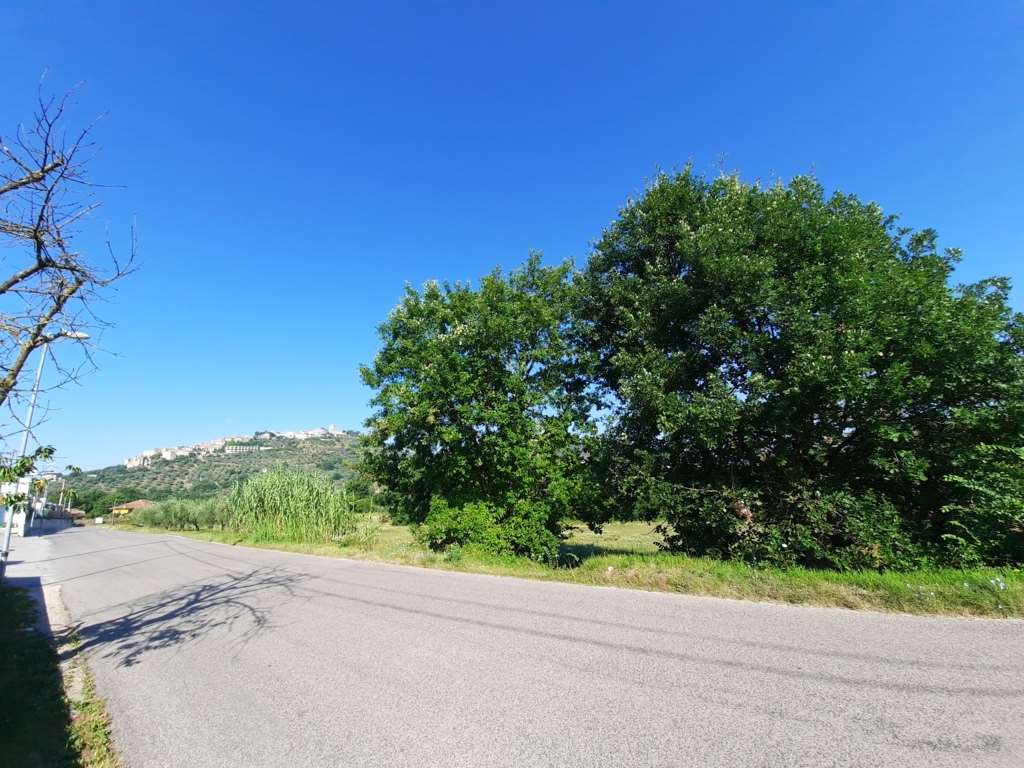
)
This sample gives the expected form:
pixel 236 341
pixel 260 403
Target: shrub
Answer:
pixel 457 526
pixel 986 524
pixel 527 528
pixel 522 529
pixel 214 512
pixel 176 514
pixel 144 517
pixel 831 529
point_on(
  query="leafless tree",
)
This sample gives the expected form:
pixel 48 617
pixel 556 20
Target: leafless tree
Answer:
pixel 48 287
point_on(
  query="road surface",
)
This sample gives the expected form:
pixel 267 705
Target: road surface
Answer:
pixel 211 655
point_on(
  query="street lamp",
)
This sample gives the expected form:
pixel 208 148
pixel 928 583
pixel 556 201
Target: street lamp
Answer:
pixel 79 336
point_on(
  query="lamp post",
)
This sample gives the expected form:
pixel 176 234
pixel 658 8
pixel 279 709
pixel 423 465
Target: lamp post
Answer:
pixel 24 441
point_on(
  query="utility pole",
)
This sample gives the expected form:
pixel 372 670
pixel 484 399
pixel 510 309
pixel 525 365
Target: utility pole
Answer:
pixel 24 447
pixel 66 334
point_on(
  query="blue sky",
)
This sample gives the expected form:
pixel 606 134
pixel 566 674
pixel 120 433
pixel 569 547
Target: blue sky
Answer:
pixel 292 165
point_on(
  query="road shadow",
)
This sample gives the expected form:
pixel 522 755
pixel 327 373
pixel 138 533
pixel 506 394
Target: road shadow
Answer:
pixel 186 614
pixel 45 526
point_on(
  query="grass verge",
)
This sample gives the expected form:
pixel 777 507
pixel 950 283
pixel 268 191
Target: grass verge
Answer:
pixel 90 728
pixel 626 555
pixel 39 725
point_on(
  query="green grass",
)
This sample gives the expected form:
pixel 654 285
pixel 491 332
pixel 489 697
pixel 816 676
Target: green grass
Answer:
pixel 616 538
pixel 38 727
pixel 626 555
pixel 90 729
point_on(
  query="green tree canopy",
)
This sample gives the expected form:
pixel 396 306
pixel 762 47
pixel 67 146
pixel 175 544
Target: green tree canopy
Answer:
pixel 790 375
pixel 477 414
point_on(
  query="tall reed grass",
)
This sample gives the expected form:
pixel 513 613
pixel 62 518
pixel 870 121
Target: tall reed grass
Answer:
pixel 292 506
pixel 280 505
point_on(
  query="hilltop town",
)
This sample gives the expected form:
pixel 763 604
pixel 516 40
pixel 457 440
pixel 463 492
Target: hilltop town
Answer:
pixel 247 443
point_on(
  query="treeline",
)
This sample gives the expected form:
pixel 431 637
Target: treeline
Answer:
pixel 776 374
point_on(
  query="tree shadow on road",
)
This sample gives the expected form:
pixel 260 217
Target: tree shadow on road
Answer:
pixel 184 615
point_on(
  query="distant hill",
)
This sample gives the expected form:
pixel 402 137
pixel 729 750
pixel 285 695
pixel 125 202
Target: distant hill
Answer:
pixel 206 475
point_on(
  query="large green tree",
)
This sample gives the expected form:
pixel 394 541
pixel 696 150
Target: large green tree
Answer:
pixel 790 376
pixel 477 420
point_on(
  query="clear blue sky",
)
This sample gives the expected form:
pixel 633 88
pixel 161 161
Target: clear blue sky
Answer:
pixel 291 165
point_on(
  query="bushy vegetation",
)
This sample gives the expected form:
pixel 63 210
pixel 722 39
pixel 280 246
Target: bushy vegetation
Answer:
pixel 777 375
pixel 985 522
pixel 280 505
pixel 186 514
pixel 486 526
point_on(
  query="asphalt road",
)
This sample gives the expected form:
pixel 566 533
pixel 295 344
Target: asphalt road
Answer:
pixel 210 655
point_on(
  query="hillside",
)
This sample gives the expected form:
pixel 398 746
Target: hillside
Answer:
pixel 192 476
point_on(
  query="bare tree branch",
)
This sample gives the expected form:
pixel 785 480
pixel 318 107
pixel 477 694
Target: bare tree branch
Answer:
pixel 50 286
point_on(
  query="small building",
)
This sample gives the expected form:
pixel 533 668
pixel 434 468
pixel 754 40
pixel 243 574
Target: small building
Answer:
pixel 241 448
pixel 124 509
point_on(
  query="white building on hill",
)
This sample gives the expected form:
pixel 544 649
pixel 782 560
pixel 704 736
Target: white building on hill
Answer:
pixel 233 444
pixel 144 459
pixel 244 448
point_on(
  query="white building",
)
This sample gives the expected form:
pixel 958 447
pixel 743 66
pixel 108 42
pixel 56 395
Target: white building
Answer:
pixel 169 454
pixel 248 448
pixel 144 459
pixel 232 444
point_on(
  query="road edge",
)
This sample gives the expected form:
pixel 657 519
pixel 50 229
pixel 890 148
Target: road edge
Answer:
pixel 90 724
pixel 663 593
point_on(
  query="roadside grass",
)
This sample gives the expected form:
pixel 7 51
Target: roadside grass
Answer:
pixel 38 727
pixel 626 555
pixel 90 730
pixel 630 538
